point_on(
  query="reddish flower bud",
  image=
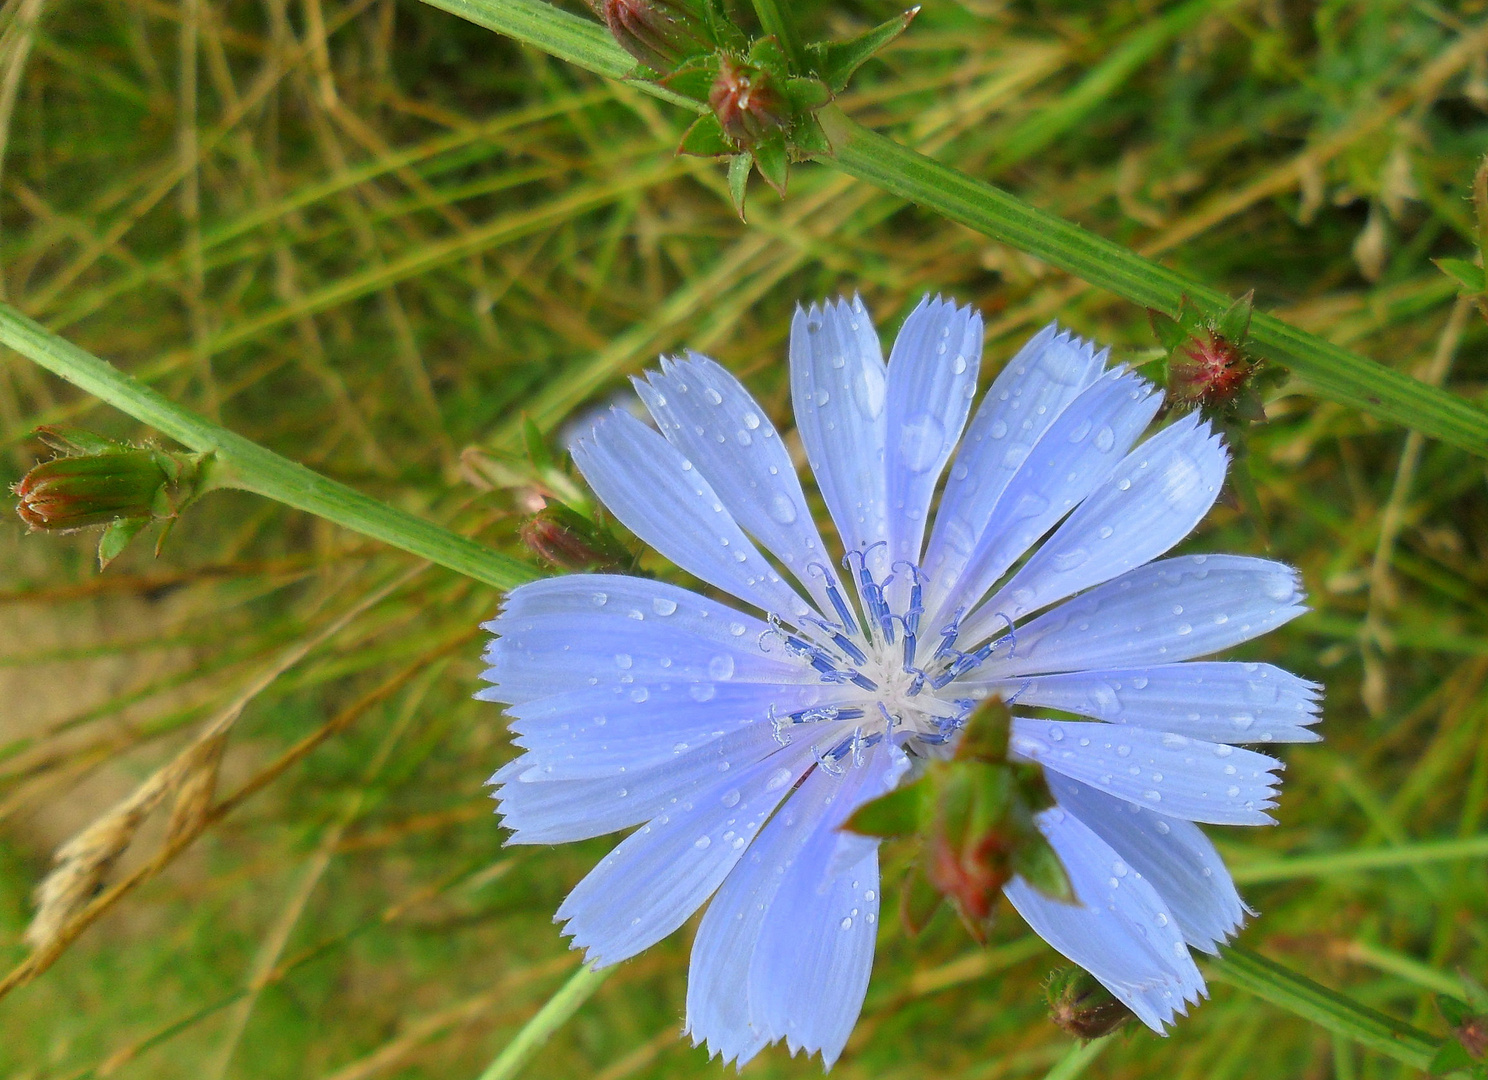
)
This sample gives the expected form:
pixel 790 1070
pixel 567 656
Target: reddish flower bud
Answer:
pixel 1208 370
pixel 1081 1006
pixel 658 33
pixel 71 493
pixel 746 102
pixel 570 541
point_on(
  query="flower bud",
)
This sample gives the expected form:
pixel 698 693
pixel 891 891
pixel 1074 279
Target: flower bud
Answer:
pixel 1081 1006
pixel 569 541
pixel 1208 370
pixel 658 33
pixel 746 102
pixel 69 493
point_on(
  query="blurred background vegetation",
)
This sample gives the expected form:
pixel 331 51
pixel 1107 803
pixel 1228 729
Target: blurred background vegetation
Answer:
pixel 372 237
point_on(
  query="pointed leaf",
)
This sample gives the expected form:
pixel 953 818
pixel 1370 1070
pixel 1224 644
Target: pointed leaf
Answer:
pixel 773 163
pixel 806 95
pixel 1468 275
pixel 1037 861
pixel 918 902
pixel 767 53
pixel 1234 324
pixel 1170 334
pixel 694 78
pixel 705 138
pixel 116 538
pixel 808 137
pixel 1451 1057
pixel 837 60
pixel 896 814
pixel 535 445
pixel 738 179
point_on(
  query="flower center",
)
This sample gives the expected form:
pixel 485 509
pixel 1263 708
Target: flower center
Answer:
pixel 896 677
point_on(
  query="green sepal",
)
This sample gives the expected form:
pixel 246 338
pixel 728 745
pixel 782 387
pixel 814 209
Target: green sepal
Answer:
pixel 66 439
pixel 738 179
pixel 1477 995
pixel 836 61
pixel 1451 1057
pixel 535 445
pixel 1469 276
pixel 899 813
pixel 1243 484
pixel 705 138
pixel 1453 1011
pixel 1037 861
pixel 1234 324
pixel 1168 330
pixel 694 78
pixel 805 95
pixel 918 902
pixel 773 162
pixel 985 736
pixel 116 538
pixel 766 53
pixel 809 139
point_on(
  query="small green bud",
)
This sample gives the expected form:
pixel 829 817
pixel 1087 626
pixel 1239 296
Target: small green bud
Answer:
pixel 746 102
pixel 1081 1006
pixel 658 33
pixel 71 493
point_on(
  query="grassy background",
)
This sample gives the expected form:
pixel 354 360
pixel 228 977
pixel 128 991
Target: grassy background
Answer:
pixel 372 236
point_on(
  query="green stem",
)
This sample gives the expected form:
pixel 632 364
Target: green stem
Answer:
pixel 1078 1058
pixel 1342 862
pixel 1329 1009
pixel 552 1016
pixel 777 20
pixel 244 464
pixel 1330 371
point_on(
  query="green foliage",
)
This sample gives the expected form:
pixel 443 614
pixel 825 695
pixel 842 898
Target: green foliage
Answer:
pixel 466 232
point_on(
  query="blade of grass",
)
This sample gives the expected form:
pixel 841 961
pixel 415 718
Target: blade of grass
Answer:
pixel 553 1015
pixel 254 468
pixel 1343 862
pixel 1326 1008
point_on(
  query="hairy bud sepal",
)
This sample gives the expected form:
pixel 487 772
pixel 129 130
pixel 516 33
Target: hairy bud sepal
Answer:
pixel 1081 1006
pixel 97 482
pixel 1466 1050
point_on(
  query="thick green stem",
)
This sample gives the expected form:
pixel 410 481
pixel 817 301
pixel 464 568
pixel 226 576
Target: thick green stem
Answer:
pixel 244 464
pixel 1329 1009
pixel 1332 372
pixel 552 1016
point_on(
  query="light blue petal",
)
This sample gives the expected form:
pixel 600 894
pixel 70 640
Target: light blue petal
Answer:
pixel 705 412
pixel 1121 931
pixel 664 871
pixel 1027 396
pixel 838 389
pixel 606 630
pixel 726 1007
pixel 1171 774
pixel 1152 500
pixel 657 494
pixel 932 379
pixel 1174 856
pixel 1222 702
pixel 811 965
pixel 1078 451
pixel 558 811
pixel 1169 610
pixel 610 731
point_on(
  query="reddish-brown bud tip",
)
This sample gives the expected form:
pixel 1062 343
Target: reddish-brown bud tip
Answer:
pixel 971 876
pixel 1208 370
pixel 568 541
pixel 746 103
pixel 658 33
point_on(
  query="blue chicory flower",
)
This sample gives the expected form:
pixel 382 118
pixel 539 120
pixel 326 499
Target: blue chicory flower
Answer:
pixel 739 744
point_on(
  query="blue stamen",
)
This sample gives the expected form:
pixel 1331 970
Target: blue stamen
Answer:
pixel 859 679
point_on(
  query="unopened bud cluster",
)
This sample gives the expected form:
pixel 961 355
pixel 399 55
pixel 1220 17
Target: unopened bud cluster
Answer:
pixel 1081 1006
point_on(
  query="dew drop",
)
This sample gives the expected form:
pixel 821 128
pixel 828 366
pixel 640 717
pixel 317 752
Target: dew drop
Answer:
pixel 702 843
pixel 662 606
pixel 743 437
pixel 600 599
pixel 1162 920
pixel 958 365
pixel 997 430
pixel 639 694
pixel 714 396
pixel 778 779
pixel 730 798
pixel 822 397
pixel 846 922
pixel 1123 751
pixel 783 509
pixel 702 691
pixel 1152 796
pixel 1232 791
pixel 751 421
pixel 1068 560
pixel 623 661
pixel 1162 826
pixel 1056 734
pixel 1139 682
pixel 1123 484
pixel 1080 433
pixel 1242 720
pixel 1105 438
pixel 721 668
pixel 920 442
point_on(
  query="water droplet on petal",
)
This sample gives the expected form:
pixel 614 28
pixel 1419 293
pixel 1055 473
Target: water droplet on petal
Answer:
pixel 730 797
pixel 751 421
pixel 778 779
pixel 702 691
pixel 623 660
pixel 662 606
pixel 600 599
pixel 997 430
pixel 639 694
pixel 1105 438
pixel 783 509
pixel 721 668
pixel 846 922
pixel 958 365
pixel 920 442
